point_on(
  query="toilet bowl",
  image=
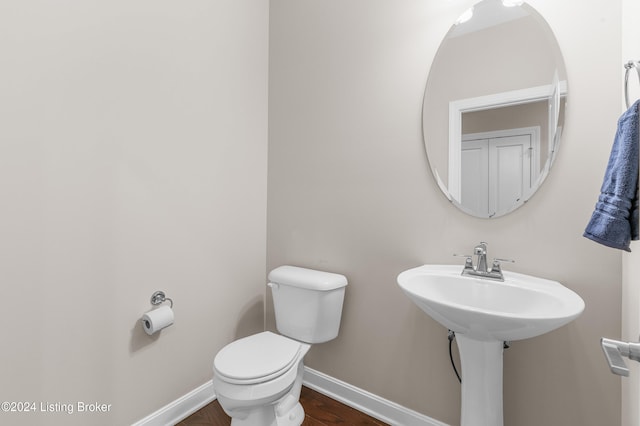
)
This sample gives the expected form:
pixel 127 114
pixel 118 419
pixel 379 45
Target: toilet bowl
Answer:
pixel 257 379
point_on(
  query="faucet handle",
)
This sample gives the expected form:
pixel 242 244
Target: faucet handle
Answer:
pixel 468 262
pixel 466 256
pixel 495 266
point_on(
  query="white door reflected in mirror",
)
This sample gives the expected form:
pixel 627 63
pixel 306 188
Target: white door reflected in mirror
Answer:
pixel 498 169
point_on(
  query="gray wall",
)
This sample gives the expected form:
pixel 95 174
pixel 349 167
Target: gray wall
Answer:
pixel 133 147
pixel 350 191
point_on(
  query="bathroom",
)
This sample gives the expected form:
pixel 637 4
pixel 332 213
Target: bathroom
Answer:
pixel 191 147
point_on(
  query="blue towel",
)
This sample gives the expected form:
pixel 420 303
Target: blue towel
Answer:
pixel 614 222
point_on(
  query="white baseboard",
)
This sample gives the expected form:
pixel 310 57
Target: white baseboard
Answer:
pixel 366 402
pixel 181 408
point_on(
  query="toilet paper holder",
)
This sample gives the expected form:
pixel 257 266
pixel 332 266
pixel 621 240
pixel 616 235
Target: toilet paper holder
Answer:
pixel 160 318
pixel 159 297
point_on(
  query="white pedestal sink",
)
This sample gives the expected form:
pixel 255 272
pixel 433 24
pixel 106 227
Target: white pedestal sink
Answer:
pixel 484 314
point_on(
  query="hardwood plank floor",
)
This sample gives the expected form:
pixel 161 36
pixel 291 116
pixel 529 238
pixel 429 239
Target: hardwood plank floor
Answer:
pixel 320 410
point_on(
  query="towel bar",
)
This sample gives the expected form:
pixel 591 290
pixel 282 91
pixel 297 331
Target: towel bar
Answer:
pixel 628 66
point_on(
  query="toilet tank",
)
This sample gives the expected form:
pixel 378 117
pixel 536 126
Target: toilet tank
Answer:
pixel 307 303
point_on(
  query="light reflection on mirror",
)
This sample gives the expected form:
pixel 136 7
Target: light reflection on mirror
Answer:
pixel 493 110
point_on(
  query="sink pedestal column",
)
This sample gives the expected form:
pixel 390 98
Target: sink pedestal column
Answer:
pixel 481 363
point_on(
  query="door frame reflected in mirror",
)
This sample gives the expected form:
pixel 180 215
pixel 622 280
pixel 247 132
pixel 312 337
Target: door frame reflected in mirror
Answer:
pixel 481 103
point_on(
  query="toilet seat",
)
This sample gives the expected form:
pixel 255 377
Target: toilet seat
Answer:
pixel 256 359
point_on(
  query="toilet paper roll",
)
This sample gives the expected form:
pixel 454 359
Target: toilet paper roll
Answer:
pixel 157 319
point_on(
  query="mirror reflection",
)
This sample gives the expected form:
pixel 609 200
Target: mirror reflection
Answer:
pixel 493 109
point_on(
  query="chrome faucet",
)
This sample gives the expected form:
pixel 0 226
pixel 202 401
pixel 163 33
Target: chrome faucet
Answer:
pixel 481 251
pixel 481 270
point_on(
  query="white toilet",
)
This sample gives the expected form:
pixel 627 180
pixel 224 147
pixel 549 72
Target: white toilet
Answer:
pixel 257 379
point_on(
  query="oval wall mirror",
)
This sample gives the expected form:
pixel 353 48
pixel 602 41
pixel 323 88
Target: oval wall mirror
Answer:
pixel 494 107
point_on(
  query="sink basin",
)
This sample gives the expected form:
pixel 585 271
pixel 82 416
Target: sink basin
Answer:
pixel 483 314
pixel 519 308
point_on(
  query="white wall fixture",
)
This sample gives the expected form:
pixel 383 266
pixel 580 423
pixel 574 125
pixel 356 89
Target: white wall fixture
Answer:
pixel 484 313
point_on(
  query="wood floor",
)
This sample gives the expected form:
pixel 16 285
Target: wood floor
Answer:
pixel 320 410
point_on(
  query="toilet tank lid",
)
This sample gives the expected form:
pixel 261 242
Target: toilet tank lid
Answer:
pixel 307 278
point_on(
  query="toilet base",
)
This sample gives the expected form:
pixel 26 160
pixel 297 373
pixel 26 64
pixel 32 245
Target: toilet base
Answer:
pixel 266 416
